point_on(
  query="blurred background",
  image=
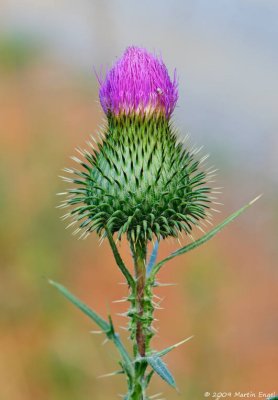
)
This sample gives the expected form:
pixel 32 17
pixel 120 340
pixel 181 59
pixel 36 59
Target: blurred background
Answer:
pixel 226 55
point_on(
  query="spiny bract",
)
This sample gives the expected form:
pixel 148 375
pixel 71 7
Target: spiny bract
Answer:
pixel 140 182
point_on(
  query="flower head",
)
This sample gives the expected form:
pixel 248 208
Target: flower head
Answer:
pixel 138 83
pixel 140 181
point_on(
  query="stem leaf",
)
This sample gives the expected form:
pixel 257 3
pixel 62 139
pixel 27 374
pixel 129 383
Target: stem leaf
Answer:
pixel 153 258
pixel 161 369
pixel 119 260
pixel 106 327
pixel 203 239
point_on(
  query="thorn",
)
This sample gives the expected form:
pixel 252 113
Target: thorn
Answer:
pixel 94 140
pixel 101 134
pixel 87 153
pixel 68 170
pixel 212 172
pixel 255 199
pixel 200 228
pixel 96 332
pixel 124 315
pixel 155 395
pixel 62 206
pixel 111 374
pixel 218 203
pixel 159 302
pixel 165 284
pixel 101 239
pixel 203 223
pixel 82 235
pixel 105 341
pixel 124 328
pixel 158 307
pixel 204 158
pixel 211 176
pixel 155 330
pixel 90 145
pixel 123 300
pixel 65 179
pixel 76 231
pixel 76 159
pixel 64 217
pixel 197 150
pixel 157 297
pixel 80 151
pixel 71 224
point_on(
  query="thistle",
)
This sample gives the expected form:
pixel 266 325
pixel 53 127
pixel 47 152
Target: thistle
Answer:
pixel 139 181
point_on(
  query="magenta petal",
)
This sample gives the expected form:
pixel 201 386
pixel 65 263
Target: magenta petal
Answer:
pixel 138 83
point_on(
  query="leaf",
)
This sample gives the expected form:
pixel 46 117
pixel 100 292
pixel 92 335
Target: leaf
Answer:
pixel 106 327
pixel 153 257
pixel 161 369
pixel 119 260
pixel 168 349
pixel 203 239
pixel 125 356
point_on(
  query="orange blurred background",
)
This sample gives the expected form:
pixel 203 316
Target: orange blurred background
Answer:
pixel 226 56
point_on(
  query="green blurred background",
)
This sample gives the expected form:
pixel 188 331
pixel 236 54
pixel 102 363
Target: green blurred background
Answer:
pixel 226 55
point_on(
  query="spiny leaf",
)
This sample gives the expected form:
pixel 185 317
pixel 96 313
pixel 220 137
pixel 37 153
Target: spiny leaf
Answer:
pixel 170 348
pixel 119 260
pixel 203 239
pixel 106 327
pixel 152 258
pixel 161 369
pixel 127 365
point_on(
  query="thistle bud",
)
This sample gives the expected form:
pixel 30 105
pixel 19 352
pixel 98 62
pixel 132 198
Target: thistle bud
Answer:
pixel 140 181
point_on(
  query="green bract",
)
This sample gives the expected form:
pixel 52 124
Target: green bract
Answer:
pixel 140 181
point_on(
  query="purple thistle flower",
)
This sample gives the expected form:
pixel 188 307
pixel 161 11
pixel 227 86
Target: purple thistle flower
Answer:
pixel 138 83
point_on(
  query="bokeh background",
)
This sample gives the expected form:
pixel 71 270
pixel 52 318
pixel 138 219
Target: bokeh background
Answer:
pixel 226 55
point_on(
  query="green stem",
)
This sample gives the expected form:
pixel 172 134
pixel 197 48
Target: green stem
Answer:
pixel 139 255
pixel 140 320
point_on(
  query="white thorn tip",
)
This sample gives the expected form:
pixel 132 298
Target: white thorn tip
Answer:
pixel 255 199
